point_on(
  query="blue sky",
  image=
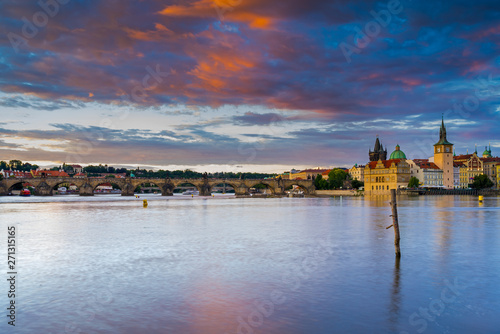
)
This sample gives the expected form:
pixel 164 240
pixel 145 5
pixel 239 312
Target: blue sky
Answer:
pixel 244 85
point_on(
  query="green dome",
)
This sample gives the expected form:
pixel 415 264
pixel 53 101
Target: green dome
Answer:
pixel 398 154
pixel 487 153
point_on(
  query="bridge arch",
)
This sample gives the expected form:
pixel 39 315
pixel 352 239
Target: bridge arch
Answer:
pixel 183 186
pixel 19 185
pixel 139 187
pixel 269 188
pixel 233 186
pixel 55 185
pixel 113 184
pixel 294 186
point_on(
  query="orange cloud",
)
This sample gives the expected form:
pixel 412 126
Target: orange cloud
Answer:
pixel 221 9
pixel 160 33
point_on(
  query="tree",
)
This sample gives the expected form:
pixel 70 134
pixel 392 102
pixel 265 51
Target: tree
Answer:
pixel 1 177
pixel 15 164
pixel 320 183
pixel 68 169
pixel 317 181
pixel 356 184
pixel 336 178
pixel 414 182
pixel 482 182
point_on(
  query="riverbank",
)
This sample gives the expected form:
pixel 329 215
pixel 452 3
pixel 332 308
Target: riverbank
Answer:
pixel 346 192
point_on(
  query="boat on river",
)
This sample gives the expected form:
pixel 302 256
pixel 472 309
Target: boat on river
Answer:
pixel 25 193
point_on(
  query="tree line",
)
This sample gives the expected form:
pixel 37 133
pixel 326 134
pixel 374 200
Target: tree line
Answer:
pixel 93 171
pixel 17 165
pixel 337 179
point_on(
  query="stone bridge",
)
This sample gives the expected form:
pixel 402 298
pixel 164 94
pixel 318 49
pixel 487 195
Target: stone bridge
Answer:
pixel 45 186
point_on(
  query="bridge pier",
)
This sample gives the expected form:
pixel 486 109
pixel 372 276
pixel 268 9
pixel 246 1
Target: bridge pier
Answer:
pixel 241 191
pixel 128 190
pixel 167 189
pixel 86 190
pixel 205 190
pixel 4 191
pixel 43 189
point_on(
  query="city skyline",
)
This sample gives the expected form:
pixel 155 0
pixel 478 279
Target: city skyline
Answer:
pixel 244 85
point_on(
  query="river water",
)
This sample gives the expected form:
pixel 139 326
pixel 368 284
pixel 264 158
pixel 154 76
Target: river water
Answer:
pixel 227 265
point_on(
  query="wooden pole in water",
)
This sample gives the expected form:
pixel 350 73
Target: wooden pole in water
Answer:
pixel 395 224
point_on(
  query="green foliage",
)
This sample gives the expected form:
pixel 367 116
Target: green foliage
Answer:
pixel 414 182
pixel 110 176
pixel 1 177
pixel 336 178
pixel 68 169
pixel 482 182
pixel 94 171
pixel 356 184
pixel 320 183
pixel 17 165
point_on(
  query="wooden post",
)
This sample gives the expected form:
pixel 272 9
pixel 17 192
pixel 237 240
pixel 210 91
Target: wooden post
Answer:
pixel 394 206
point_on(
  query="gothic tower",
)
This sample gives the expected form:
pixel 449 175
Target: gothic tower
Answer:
pixel 378 152
pixel 443 157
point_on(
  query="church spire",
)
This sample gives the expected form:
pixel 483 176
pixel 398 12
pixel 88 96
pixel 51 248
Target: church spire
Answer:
pixel 442 134
pixel 377 145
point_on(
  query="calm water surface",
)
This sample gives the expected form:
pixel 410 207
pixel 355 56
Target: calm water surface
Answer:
pixel 192 265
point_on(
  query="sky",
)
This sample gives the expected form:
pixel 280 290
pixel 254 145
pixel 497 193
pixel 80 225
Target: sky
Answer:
pixel 245 85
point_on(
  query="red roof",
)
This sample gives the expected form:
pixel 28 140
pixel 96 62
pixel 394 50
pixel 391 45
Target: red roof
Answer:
pixel 314 171
pixel 326 172
pixel 463 156
pixel 490 159
pixel 50 173
pixel 387 163
pixel 17 174
pixel 425 164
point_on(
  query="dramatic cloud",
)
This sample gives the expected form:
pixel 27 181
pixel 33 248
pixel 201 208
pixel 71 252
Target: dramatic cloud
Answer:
pixel 327 70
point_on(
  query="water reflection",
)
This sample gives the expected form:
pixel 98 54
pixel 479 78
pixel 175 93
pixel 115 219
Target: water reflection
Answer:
pixel 394 308
pixel 196 265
